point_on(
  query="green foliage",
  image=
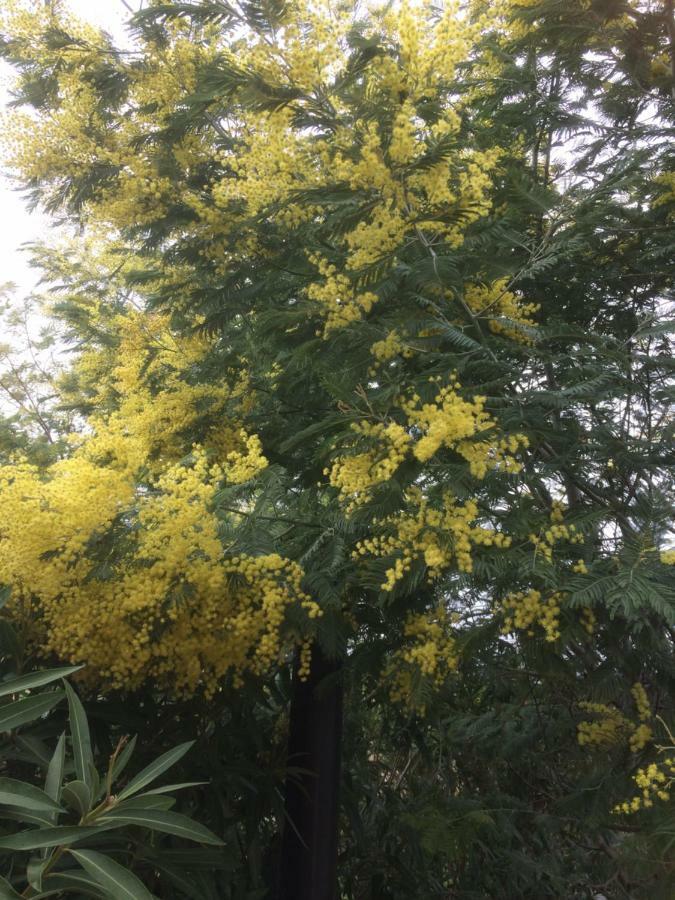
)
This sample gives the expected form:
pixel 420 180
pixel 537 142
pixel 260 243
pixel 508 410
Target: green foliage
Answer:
pixel 483 790
pixel 78 805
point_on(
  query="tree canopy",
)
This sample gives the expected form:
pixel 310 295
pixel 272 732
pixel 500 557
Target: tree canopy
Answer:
pixel 369 316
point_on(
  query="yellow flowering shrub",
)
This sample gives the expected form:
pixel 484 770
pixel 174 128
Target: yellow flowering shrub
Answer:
pixel 114 554
pixel 169 606
pixel 152 409
pixel 266 164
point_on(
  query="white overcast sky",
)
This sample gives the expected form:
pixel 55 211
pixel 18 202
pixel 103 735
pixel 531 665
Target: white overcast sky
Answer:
pixel 17 225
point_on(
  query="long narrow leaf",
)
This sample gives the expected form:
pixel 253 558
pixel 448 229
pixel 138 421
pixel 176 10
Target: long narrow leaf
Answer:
pixel 79 730
pixel 27 710
pixel 34 748
pixel 26 796
pixel 50 837
pixel 35 871
pixel 118 882
pixel 155 769
pixel 54 778
pixel 159 820
pixel 145 801
pixel 12 814
pixel 35 679
pixel 67 883
pixel 169 788
pixel 77 795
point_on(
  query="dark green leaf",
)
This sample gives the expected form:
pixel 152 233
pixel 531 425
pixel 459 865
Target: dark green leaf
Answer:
pixel 70 883
pixel 79 732
pixel 118 882
pixel 159 820
pixel 26 796
pixel 169 788
pixel 27 709
pixel 49 837
pixel 77 795
pixel 35 679
pixel 54 777
pixel 155 769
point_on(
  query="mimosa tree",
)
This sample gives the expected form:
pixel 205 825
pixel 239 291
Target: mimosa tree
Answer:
pixel 371 312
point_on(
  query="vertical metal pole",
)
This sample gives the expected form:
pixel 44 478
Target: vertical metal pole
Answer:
pixel 310 841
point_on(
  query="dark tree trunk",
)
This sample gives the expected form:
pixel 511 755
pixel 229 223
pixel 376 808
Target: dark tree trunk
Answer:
pixel 308 868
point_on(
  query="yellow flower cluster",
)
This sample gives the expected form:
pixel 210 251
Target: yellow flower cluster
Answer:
pixel 438 537
pixel 341 303
pixel 246 461
pixel 388 348
pixel 556 531
pixel 496 300
pixel 450 421
pixel 72 136
pixel 612 726
pixel 66 142
pixel 379 235
pixel 271 159
pixel 47 523
pixel 163 604
pixel 366 170
pixel 641 736
pixel 667 557
pixel 655 782
pixel 146 377
pixel 642 704
pixel 428 52
pixel 642 733
pixel 588 619
pixel 607 729
pixel 525 609
pixel 274 162
pixel 666 184
pixel 355 476
pixel 305 661
pixel 114 554
pixel 404 145
pixel 428 654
